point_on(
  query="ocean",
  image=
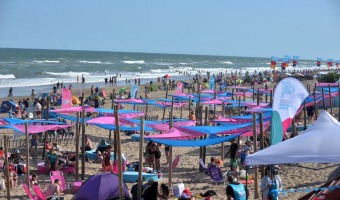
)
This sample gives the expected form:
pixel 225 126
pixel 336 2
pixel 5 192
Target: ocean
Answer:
pixel 26 69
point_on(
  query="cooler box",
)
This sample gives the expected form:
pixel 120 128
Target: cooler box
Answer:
pixel 178 189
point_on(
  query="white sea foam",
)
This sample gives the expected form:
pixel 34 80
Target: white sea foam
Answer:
pixel 133 61
pixel 227 62
pixel 67 74
pixel 51 61
pixel 6 76
pixel 183 63
pixel 90 62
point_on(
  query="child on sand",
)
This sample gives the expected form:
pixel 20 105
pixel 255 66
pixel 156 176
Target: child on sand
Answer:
pixel 106 164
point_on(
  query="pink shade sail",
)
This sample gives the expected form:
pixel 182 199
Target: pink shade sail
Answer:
pixel 130 101
pixel 128 115
pixel 212 92
pixel 266 126
pixel 40 128
pixel 254 104
pixel 240 94
pixel 74 109
pixel 214 102
pixel 175 134
pixel 163 127
pixel 168 104
pixel 110 120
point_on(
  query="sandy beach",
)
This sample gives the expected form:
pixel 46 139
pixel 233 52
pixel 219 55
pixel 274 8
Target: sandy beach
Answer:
pixel 294 176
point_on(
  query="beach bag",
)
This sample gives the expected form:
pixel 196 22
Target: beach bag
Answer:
pixel 178 189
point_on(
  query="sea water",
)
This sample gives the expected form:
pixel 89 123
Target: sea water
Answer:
pixel 26 69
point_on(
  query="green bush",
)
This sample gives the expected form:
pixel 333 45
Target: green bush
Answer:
pixel 331 77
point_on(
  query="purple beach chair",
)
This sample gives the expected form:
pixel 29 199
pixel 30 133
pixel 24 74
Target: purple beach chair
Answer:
pixel 216 175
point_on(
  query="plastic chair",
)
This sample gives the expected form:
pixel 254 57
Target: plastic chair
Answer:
pixel 28 192
pixel 40 194
pixel 59 175
pixel 216 175
pixel 205 169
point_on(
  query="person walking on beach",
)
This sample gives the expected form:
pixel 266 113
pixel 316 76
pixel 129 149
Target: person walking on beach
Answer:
pixel 10 92
pixel 236 190
pixel 92 89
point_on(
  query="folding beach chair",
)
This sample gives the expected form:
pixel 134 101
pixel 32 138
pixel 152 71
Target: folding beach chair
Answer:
pixel 28 192
pixel 216 175
pixel 205 169
pixel 59 175
pixel 40 194
pixel 174 163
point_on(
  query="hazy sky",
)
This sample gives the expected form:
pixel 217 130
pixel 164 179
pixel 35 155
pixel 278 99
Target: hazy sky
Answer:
pixel 256 28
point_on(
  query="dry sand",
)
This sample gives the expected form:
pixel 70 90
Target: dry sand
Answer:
pixel 293 176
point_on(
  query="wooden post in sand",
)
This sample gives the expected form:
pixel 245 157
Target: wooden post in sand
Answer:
pixel 244 95
pixel 170 151
pixel 83 145
pixel 304 115
pixel 46 133
pixel 27 156
pixel 255 150
pixel 77 146
pixel 6 167
pixel 258 97
pixel 204 149
pixel 323 100
pixel 271 98
pixel 189 107
pixel 166 96
pixel 261 138
pixel 232 94
pixel 253 93
pixel 294 128
pixel 222 144
pixel 146 110
pixel 330 98
pixel 214 105
pixel 120 170
pixel 140 166
pixel 239 106
pixel 315 105
pixel 113 97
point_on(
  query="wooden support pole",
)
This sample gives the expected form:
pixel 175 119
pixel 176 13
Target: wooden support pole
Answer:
pixel 140 166
pixel 204 149
pixel 112 103
pixel 244 95
pixel 46 133
pixel 77 146
pixel 271 97
pixel 215 105
pixel 258 97
pixel 7 167
pixel 239 106
pixel 294 133
pixel 146 110
pixel 261 139
pixel 232 94
pixel 166 96
pixel 330 98
pixel 83 145
pixel 316 109
pixel 119 152
pixel 323 100
pixel 255 150
pixel 253 93
pixel 189 107
pixel 304 115
pixel 170 150
pixel 27 156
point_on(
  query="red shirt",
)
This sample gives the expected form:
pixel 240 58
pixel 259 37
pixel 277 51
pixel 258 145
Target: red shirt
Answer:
pixel 106 156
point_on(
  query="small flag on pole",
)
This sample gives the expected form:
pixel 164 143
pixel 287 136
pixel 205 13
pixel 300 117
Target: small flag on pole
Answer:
pixel 295 60
pixel 337 62
pixel 318 62
pixel 284 63
pixel 329 62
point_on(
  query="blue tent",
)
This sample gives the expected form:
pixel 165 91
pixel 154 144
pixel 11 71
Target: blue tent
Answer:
pixel 196 143
pixel 8 105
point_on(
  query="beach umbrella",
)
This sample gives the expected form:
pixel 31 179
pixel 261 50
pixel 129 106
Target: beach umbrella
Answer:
pixel 122 90
pixel 101 187
pixel 166 76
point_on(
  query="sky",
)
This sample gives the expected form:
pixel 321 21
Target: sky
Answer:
pixel 252 28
